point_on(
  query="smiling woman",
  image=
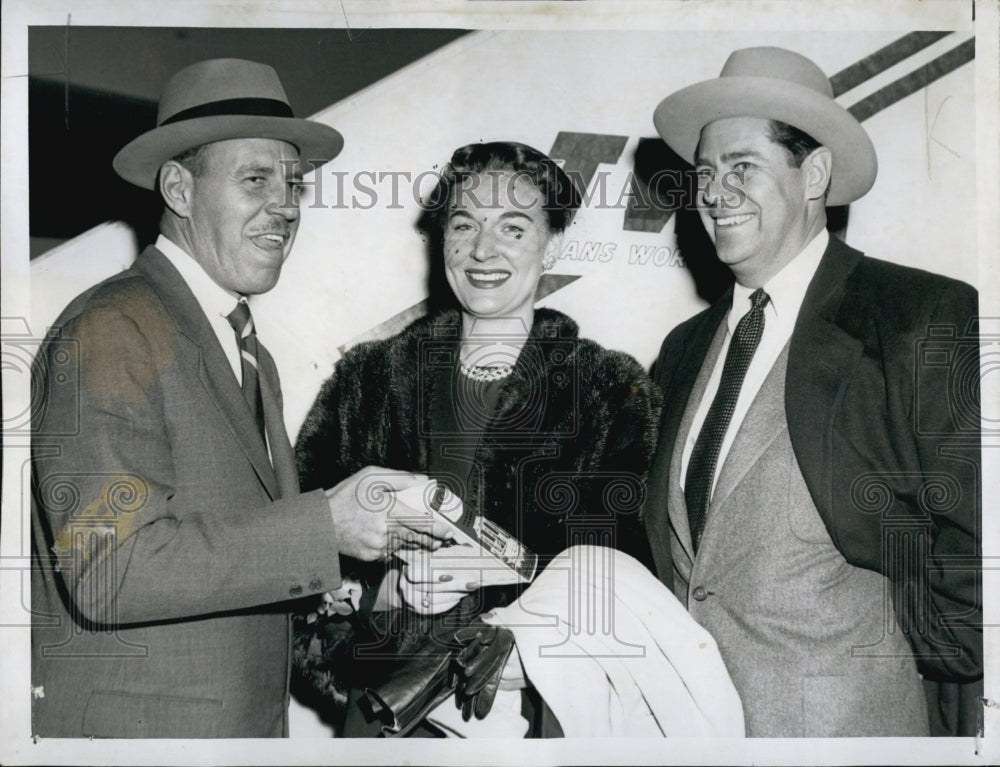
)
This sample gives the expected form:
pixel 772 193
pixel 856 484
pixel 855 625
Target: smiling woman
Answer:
pixel 503 208
pixel 541 433
pixel 497 247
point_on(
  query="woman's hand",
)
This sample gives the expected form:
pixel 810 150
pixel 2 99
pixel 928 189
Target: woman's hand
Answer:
pixel 429 590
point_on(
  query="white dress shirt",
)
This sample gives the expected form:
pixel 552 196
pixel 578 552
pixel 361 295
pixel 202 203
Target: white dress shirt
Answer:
pixel 215 301
pixel 786 289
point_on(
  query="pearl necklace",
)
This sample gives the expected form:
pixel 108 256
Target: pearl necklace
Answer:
pixel 485 373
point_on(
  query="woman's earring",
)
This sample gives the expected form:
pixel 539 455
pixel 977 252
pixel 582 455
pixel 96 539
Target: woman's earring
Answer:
pixel 548 262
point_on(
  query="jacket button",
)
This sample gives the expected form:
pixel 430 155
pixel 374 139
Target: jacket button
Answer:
pixel 700 593
pixel 315 584
pixel 295 591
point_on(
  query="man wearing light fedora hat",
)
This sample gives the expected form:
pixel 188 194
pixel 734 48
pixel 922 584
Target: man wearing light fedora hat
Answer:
pixel 814 496
pixel 169 533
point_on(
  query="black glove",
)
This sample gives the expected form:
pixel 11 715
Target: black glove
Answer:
pixel 479 664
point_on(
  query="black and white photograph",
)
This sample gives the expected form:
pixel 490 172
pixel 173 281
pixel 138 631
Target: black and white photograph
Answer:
pixel 396 382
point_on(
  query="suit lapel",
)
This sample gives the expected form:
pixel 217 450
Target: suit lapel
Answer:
pixel 215 373
pixel 762 424
pixel 821 358
pixel 676 373
pixel 677 381
pixel 282 454
pixel 677 505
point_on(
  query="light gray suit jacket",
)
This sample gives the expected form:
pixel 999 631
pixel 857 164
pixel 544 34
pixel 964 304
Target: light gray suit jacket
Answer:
pixel 811 642
pixel 165 540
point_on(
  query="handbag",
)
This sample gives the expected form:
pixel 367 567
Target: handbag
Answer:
pixel 422 673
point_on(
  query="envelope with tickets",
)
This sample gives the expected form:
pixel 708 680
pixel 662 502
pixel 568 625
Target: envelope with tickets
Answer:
pixel 478 545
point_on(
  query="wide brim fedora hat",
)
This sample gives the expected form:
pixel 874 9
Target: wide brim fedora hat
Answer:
pixel 222 99
pixel 774 84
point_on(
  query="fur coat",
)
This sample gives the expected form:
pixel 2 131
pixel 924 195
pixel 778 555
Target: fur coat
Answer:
pixel 562 461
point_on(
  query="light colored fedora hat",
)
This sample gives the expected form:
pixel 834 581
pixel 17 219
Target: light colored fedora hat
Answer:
pixel 223 99
pixel 774 84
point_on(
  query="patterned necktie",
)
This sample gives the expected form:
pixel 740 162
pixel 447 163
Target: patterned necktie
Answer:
pixel 701 467
pixel 246 338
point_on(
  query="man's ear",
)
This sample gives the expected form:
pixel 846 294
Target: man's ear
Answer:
pixel 176 185
pixel 819 171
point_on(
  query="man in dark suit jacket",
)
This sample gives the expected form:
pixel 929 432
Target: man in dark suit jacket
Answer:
pixel 814 498
pixel 169 533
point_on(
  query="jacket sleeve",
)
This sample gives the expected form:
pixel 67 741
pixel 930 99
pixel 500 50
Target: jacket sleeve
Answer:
pixel 130 538
pixel 944 603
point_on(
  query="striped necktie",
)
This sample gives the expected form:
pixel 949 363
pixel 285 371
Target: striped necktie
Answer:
pixel 242 323
pixel 700 475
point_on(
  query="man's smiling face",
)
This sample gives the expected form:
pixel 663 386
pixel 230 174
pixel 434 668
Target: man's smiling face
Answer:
pixel 753 199
pixel 244 212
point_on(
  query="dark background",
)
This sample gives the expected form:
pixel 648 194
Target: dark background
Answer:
pixel 91 90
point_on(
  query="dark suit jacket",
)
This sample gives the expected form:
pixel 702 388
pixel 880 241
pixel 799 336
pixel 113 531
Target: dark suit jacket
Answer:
pixel 164 540
pixel 882 403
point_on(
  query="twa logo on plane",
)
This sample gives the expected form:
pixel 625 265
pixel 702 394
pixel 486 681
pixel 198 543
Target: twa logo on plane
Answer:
pixel 658 184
